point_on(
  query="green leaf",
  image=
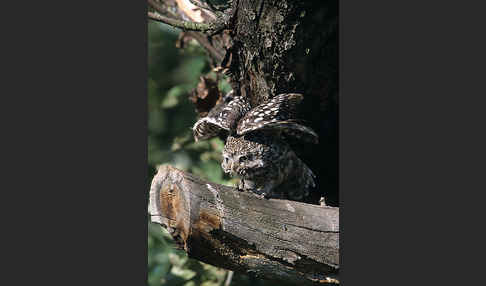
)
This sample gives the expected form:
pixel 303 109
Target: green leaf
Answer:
pixel 224 86
pixel 186 274
pixel 172 97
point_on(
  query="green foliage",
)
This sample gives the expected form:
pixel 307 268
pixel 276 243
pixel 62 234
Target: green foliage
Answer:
pixel 173 73
pixel 168 266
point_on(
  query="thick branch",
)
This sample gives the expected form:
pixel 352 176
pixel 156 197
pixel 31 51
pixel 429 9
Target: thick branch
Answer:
pixel 268 238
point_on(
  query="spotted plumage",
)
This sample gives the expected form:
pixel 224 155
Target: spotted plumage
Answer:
pixel 224 116
pixel 256 149
pixel 267 166
pixel 277 114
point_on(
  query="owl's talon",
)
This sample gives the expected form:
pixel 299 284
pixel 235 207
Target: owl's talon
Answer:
pixel 322 201
pixel 264 196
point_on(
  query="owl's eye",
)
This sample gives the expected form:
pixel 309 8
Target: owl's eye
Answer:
pixel 242 158
pixel 226 160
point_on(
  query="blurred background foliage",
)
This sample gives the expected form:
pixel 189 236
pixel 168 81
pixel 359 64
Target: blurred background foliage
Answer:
pixel 172 74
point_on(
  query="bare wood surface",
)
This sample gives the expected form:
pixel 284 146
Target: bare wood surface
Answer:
pixel 268 238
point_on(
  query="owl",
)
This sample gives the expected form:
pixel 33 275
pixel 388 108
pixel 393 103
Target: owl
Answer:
pixel 256 148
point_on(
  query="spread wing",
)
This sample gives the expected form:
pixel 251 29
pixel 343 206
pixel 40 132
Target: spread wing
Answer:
pixel 277 114
pixel 223 116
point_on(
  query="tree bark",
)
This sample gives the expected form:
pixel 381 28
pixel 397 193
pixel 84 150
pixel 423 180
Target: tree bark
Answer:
pixel 290 46
pixel 268 238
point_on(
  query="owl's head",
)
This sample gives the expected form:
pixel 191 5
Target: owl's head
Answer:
pixel 241 155
pixel 250 153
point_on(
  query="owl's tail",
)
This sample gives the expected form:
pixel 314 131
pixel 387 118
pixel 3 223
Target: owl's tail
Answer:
pixel 302 182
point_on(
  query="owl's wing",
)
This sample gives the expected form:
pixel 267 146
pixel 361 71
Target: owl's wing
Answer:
pixel 294 128
pixel 223 116
pixel 277 114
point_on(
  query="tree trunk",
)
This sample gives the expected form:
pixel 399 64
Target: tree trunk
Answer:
pixel 267 238
pixel 286 46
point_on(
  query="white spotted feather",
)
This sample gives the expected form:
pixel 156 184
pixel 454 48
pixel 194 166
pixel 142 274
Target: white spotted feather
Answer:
pixel 223 116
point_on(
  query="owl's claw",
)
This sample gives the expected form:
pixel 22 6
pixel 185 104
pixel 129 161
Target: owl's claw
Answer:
pixel 322 201
pixel 263 196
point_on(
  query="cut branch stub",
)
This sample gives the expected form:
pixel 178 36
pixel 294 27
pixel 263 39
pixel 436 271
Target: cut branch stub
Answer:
pixel 268 238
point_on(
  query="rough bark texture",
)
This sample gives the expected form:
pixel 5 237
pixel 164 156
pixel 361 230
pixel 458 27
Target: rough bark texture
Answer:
pixel 268 238
pixel 284 46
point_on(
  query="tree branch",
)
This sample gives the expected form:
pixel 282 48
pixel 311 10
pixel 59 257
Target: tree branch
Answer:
pixel 269 238
pixel 214 52
pixel 202 5
pixel 185 25
pixel 211 27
